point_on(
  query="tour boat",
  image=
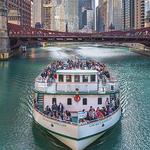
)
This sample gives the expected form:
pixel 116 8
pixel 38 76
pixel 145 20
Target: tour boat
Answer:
pixel 76 101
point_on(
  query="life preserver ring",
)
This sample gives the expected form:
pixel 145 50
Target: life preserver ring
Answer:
pixel 77 98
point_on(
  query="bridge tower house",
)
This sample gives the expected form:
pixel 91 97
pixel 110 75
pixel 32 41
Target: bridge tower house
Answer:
pixel 4 40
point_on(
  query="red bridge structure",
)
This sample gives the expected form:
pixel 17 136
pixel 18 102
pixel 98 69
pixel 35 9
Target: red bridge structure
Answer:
pixel 19 34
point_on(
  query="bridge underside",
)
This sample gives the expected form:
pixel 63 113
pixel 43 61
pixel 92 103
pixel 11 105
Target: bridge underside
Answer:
pixel 16 42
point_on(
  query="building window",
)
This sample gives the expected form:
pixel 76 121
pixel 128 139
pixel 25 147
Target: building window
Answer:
pixel 61 78
pixel 76 78
pixel 99 101
pixel 53 100
pixel 93 78
pixel 84 101
pixel 69 101
pixel 68 78
pixel 85 78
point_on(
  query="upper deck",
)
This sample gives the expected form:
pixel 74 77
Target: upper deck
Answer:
pixel 73 77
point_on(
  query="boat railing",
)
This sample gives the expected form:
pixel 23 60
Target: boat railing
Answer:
pixel 85 122
pixel 71 87
pixel 100 87
pixel 55 119
pixel 44 85
pixel 110 86
pixel 99 119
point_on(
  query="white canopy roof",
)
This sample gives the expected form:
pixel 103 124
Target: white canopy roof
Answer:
pixel 76 72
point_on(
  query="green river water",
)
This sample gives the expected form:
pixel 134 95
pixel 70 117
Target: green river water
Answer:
pixel 17 129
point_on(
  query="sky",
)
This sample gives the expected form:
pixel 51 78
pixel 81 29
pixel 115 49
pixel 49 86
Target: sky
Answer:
pixel 96 2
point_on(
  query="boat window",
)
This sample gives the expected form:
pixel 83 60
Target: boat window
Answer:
pixel 85 78
pixel 69 101
pixel 53 100
pixel 99 101
pixel 84 101
pixel 61 78
pixel 68 78
pixel 92 78
pixel 76 78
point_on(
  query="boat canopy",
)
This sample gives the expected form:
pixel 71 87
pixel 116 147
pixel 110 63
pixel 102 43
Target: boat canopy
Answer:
pixel 77 72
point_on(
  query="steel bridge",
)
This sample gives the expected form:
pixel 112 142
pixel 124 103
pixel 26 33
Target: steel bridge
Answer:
pixel 18 34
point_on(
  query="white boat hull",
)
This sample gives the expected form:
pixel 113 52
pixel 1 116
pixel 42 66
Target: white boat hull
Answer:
pixel 77 145
pixel 77 137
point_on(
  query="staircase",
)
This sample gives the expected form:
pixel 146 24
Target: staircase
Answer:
pixel 40 101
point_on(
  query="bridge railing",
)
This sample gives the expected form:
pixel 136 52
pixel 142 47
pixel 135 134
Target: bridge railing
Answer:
pixel 26 31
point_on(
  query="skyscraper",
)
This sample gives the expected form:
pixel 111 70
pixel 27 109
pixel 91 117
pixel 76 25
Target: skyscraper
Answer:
pixel 101 15
pixel 139 13
pixel 128 14
pixel 48 13
pixel 59 21
pixel 59 14
pixel 71 15
pixel 109 15
pixel 83 6
pixel 37 12
pixel 133 14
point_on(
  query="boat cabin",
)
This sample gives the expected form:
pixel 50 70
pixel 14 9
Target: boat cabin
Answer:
pixel 70 80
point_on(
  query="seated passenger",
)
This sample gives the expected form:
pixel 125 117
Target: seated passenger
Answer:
pixel 99 114
pixel 47 110
pixel 104 111
pixel 68 116
pixel 92 114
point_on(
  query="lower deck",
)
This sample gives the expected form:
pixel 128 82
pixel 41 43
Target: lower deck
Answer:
pixel 76 108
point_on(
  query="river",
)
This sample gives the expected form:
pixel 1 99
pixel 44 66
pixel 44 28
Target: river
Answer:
pixel 17 129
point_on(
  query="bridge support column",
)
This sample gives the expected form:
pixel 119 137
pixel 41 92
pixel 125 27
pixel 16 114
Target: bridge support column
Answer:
pixel 4 40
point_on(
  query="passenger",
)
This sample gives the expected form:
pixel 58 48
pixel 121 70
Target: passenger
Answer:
pixel 92 114
pixel 107 104
pixel 107 74
pixel 90 108
pixel 60 108
pixel 65 115
pixel 99 114
pixel 68 116
pixel 60 118
pixel 113 104
pixel 104 111
pixel 110 111
pixel 47 109
pixel 54 109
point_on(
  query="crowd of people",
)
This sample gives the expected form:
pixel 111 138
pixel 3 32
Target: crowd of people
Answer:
pixel 98 113
pixel 49 73
pixel 58 112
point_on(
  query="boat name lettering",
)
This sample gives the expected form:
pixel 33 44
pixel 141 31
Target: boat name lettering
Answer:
pixel 55 123
pixel 100 122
